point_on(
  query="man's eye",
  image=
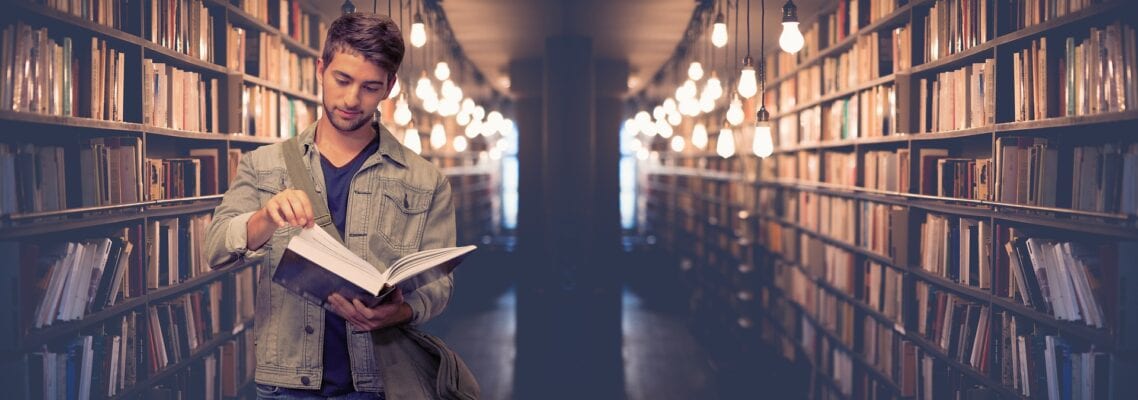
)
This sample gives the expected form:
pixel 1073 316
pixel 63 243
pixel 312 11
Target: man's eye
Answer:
pixel 372 88
pixel 341 82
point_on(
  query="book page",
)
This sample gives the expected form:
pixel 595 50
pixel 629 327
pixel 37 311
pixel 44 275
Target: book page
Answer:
pixel 317 246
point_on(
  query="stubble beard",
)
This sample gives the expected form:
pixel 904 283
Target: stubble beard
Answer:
pixel 345 125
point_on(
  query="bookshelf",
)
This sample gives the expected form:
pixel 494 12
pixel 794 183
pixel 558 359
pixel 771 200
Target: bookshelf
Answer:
pixel 172 326
pixel 809 254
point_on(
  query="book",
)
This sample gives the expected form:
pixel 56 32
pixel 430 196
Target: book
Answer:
pixel 315 265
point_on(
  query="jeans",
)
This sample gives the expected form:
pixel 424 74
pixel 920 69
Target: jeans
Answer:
pixel 268 392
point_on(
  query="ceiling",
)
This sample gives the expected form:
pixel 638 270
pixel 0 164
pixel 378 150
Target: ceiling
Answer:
pixel 646 33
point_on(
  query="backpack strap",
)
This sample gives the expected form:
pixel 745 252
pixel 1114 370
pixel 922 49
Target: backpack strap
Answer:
pixel 301 179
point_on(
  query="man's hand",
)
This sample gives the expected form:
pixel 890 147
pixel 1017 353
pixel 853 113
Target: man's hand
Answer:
pixel 392 311
pixel 289 207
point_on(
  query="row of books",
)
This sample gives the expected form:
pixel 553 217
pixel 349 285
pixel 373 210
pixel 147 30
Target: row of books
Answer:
pixel 174 250
pixel 268 113
pixel 32 178
pixel 886 170
pixel 1097 73
pixel 809 83
pixel 884 291
pixel 264 55
pixel 871 57
pixel 878 112
pixel 963 178
pixel 959 99
pixel 840 168
pixel 958 249
pixel 43 76
pixel 111 13
pixel 1025 13
pixel 71 279
pixel 883 229
pixel 841 119
pixel 953 26
pixel 220 374
pixel 960 328
pixel 175 178
pixel 1105 178
pixel 843 22
pixel 99 365
pixel 1062 278
pixel 1039 365
pixel 788 93
pixel 181 325
pixel 179 99
pixel 184 26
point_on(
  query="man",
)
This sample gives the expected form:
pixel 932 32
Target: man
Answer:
pixel 386 202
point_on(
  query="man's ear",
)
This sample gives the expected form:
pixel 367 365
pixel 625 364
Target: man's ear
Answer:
pixel 319 70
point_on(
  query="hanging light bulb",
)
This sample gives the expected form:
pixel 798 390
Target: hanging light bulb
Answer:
pixel 451 91
pixel 695 71
pixel 431 103
pixel 459 143
pixel 675 118
pixel 411 140
pixel 473 129
pixel 791 39
pixel 442 71
pixel 658 113
pixel 678 144
pixel 395 89
pixel 748 85
pixel 423 87
pixel 402 111
pixel 630 128
pixel 418 31
pixel 463 118
pixel 467 105
pixel 699 136
pixel 690 107
pixel 670 105
pixel 643 120
pixel 448 107
pixel 735 111
pixel 664 129
pixel 719 31
pixel 706 102
pixel 438 136
pixel 762 144
pixel 478 113
pixel 689 89
pixel 725 145
pixel 713 88
pixel 635 145
pixel 494 122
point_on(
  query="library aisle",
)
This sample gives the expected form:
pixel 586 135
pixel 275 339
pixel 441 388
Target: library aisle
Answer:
pixel 670 199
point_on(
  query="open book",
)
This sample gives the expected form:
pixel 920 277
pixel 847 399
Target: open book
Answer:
pixel 315 265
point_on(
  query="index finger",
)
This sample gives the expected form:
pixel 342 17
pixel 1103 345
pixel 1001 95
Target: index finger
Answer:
pixel 306 206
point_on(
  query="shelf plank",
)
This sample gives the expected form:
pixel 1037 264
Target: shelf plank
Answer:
pixel 23 225
pixel 242 18
pixel 274 86
pixel 73 122
pixel 197 354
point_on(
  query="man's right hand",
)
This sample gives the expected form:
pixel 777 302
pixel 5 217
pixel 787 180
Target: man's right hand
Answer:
pixel 290 207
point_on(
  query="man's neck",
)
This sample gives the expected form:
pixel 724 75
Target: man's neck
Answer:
pixel 339 146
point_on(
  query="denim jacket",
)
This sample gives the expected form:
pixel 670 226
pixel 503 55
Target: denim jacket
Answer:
pixel 398 204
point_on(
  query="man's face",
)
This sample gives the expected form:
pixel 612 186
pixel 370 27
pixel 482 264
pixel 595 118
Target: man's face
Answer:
pixel 353 87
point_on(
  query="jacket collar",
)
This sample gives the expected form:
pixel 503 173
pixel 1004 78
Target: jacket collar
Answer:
pixel 388 146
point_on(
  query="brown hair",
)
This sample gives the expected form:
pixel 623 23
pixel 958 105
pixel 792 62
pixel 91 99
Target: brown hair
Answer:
pixel 375 37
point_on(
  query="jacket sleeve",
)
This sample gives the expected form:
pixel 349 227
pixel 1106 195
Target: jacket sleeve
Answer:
pixel 227 235
pixel 429 300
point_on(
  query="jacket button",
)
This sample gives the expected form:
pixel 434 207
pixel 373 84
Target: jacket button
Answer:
pixel 305 381
pixel 308 329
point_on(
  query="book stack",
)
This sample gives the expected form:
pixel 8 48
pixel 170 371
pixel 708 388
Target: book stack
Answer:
pixel 884 230
pixel 1104 178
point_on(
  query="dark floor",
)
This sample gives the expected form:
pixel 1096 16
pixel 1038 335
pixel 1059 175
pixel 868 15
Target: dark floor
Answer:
pixel 666 352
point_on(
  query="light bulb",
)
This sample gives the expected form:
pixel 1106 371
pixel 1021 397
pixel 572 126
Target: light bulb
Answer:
pixel 451 91
pixel 735 111
pixel 402 111
pixel 508 127
pixel 459 143
pixel 473 129
pixel 478 113
pixel 719 32
pixel 695 71
pixel 394 90
pixel 448 107
pixel 670 105
pixel 664 129
pixel 725 146
pixel 411 140
pixel 762 144
pixel 467 105
pixel 494 120
pixel 748 85
pixel 658 113
pixel 699 136
pixel 690 107
pixel 791 39
pixel 706 102
pixel 423 87
pixel 635 145
pixel 675 118
pixel 418 32
pixel 642 154
pixel 689 89
pixel 678 144
pixel 714 87
pixel 442 71
pixel 643 119
pixel 431 104
pixel 438 136
pixel 462 118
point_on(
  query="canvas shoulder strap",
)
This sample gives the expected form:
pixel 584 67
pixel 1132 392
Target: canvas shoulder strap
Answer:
pixel 301 179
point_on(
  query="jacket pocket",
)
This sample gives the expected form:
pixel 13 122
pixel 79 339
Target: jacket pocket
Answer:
pixel 403 215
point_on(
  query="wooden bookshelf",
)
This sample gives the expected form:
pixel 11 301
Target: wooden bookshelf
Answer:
pixel 75 220
pixel 683 210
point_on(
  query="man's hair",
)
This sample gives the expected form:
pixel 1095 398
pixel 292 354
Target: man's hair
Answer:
pixel 375 37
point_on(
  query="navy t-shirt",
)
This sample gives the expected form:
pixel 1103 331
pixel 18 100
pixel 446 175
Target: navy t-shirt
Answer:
pixel 337 364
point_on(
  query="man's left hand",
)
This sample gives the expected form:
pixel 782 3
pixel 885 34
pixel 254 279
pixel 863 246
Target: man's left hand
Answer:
pixel 392 311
